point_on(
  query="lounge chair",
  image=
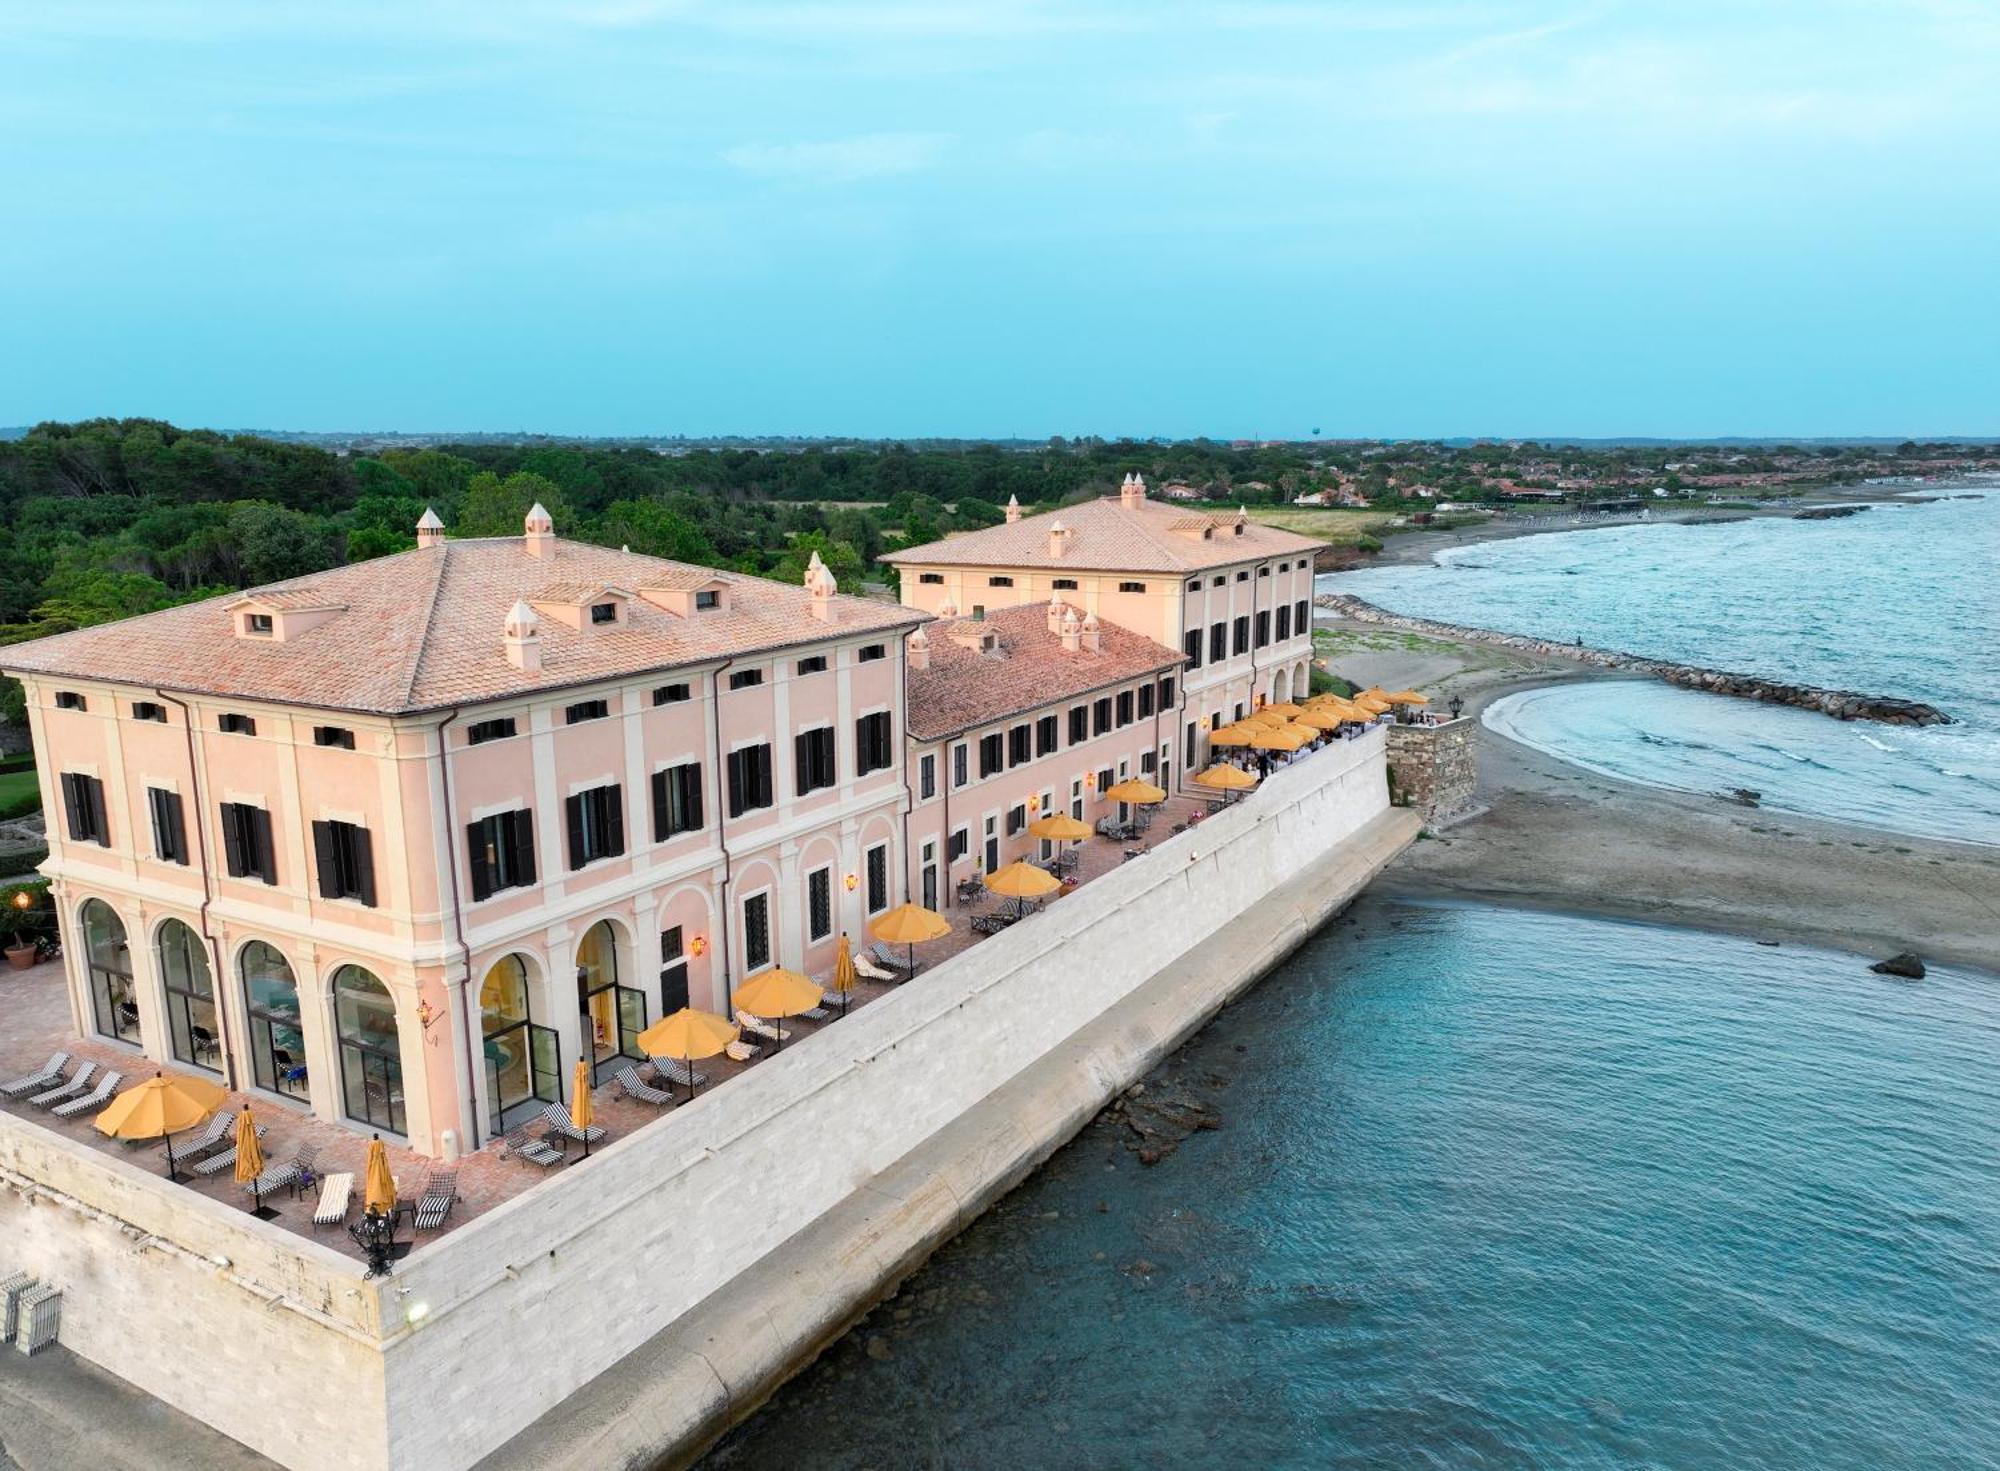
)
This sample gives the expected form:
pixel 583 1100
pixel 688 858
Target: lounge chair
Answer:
pixel 48 1077
pixel 991 924
pixel 741 1051
pixel 215 1164
pixel 434 1202
pixel 881 954
pixel 866 967
pixel 673 1070
pixel 336 1193
pixel 758 1027
pixel 557 1118
pixel 521 1146
pixel 107 1084
pixel 627 1078
pixel 279 1176
pixel 220 1130
pixel 78 1081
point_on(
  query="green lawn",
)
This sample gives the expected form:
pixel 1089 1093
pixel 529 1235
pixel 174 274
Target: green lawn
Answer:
pixel 1342 528
pixel 20 794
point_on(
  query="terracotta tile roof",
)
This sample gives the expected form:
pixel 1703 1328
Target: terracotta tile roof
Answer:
pixel 575 592
pixel 423 629
pixel 288 599
pixel 674 577
pixel 1106 536
pixel 964 687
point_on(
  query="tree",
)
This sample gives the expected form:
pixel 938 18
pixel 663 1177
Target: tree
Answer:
pixel 842 560
pixel 496 507
pixel 649 527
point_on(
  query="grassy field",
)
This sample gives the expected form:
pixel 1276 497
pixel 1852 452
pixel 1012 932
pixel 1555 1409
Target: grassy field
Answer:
pixel 1343 528
pixel 19 794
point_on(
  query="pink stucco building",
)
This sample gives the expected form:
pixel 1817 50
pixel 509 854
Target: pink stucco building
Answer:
pixel 393 842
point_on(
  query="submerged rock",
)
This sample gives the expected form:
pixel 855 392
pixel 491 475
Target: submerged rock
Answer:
pixel 1908 965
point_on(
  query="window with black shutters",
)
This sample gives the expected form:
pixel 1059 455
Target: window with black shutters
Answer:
pixel 1284 624
pixel 230 723
pixel 596 821
pixel 1064 584
pixel 149 710
pixel 1191 646
pixel 1100 715
pixel 999 582
pixel 959 845
pixel 337 736
pixel 819 904
pixel 346 862
pixel 1166 694
pixel 1187 756
pixel 1263 628
pixel 749 779
pixel 170 844
pixel 1019 744
pixel 83 806
pixel 501 852
pixel 926 777
pixel 584 710
pixel 1301 617
pixel 1131 587
pixel 1047 733
pixel 813 664
pixel 1017 819
pixel 873 746
pixel 992 755
pixel 1148 762
pixel 757 932
pixel 1145 700
pixel 247 850
pixel 744 679
pixel 670 694
pixel 871 652
pixel 813 754
pixel 70 700
pixel 930 577
pixel 1124 707
pixel 1218 642
pixel 482 731
pixel 1079 724
pixel 876 868
pixel 958 761
pixel 1105 779
pixel 676 801
pixel 1241 643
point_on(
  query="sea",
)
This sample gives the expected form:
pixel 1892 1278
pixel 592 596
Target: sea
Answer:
pixel 1902 599
pixel 1490 1189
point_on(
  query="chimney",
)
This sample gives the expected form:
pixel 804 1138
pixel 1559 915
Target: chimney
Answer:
pixel 947 609
pixel 1058 539
pixel 821 585
pixel 1072 632
pixel 1093 637
pixel 430 530
pixel 1057 608
pixel 1132 493
pixel 524 641
pixel 541 532
pixel 919 650
pixel 1013 510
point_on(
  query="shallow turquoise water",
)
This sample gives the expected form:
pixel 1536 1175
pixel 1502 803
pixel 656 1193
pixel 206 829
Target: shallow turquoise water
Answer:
pixel 1493 1189
pixel 1900 600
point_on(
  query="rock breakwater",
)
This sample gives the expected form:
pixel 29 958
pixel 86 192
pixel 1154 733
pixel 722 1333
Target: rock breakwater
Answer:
pixel 1840 704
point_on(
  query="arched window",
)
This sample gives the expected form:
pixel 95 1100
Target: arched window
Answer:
pixel 371 1052
pixel 522 1069
pixel 113 1002
pixel 271 997
pixel 190 986
pixel 613 1014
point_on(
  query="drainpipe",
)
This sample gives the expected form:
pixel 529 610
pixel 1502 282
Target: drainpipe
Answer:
pixel 948 889
pixel 207 886
pixel 903 745
pixel 464 950
pixel 722 825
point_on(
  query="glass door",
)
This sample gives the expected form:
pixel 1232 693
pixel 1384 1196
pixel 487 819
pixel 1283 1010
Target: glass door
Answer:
pixel 545 1061
pixel 631 1022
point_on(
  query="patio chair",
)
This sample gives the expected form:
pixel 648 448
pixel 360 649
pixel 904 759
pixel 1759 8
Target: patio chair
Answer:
pixel 758 1027
pixel 741 1051
pixel 864 965
pixel 48 1077
pixel 521 1146
pixel 557 1118
pixel 279 1176
pixel 881 954
pixel 78 1081
pixel 672 1070
pixel 991 924
pixel 434 1202
pixel 336 1193
pixel 215 1164
pixel 627 1078
pixel 107 1084
pixel 221 1128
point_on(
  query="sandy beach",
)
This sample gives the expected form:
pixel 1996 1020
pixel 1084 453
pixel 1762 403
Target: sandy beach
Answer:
pixel 1556 836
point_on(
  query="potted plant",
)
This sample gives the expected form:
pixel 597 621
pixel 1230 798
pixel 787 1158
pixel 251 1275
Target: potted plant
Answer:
pixel 18 923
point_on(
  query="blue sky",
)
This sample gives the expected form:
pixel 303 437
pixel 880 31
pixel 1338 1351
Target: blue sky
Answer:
pixel 993 217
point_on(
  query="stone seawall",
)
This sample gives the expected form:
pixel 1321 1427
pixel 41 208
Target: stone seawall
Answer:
pixel 1840 704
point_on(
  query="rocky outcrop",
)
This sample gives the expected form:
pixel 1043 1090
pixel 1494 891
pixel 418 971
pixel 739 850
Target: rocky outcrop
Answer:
pixel 1840 704
pixel 1908 965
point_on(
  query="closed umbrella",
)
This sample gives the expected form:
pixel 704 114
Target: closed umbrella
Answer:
pixel 250 1162
pixel 910 925
pixel 688 1035
pixel 159 1108
pixel 582 1107
pixel 779 993
pixel 1021 882
pixel 378 1186
pixel 844 976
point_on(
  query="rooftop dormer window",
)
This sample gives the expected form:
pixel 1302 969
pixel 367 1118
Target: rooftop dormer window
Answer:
pixel 601 613
pixel 259 625
pixel 707 600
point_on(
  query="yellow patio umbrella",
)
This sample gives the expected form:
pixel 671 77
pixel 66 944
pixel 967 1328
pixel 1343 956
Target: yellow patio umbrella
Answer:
pixel 688 1035
pixel 1407 697
pixel 160 1108
pixel 1373 704
pixel 1373 692
pixel 910 925
pixel 1318 718
pixel 1021 882
pixel 1223 778
pixel 250 1162
pixel 1233 735
pixel 1058 827
pixel 1133 790
pixel 582 1107
pixel 777 992
pixel 844 974
pixel 378 1186
pixel 1284 709
pixel 1260 720
pixel 1281 738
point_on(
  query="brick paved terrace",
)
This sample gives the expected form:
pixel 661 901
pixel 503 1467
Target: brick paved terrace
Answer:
pixel 35 1021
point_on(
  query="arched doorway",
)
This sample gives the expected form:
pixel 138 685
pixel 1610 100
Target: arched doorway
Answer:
pixel 613 1014
pixel 1279 685
pixel 191 1026
pixel 371 1052
pixel 114 1001
pixel 523 1061
pixel 271 1002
